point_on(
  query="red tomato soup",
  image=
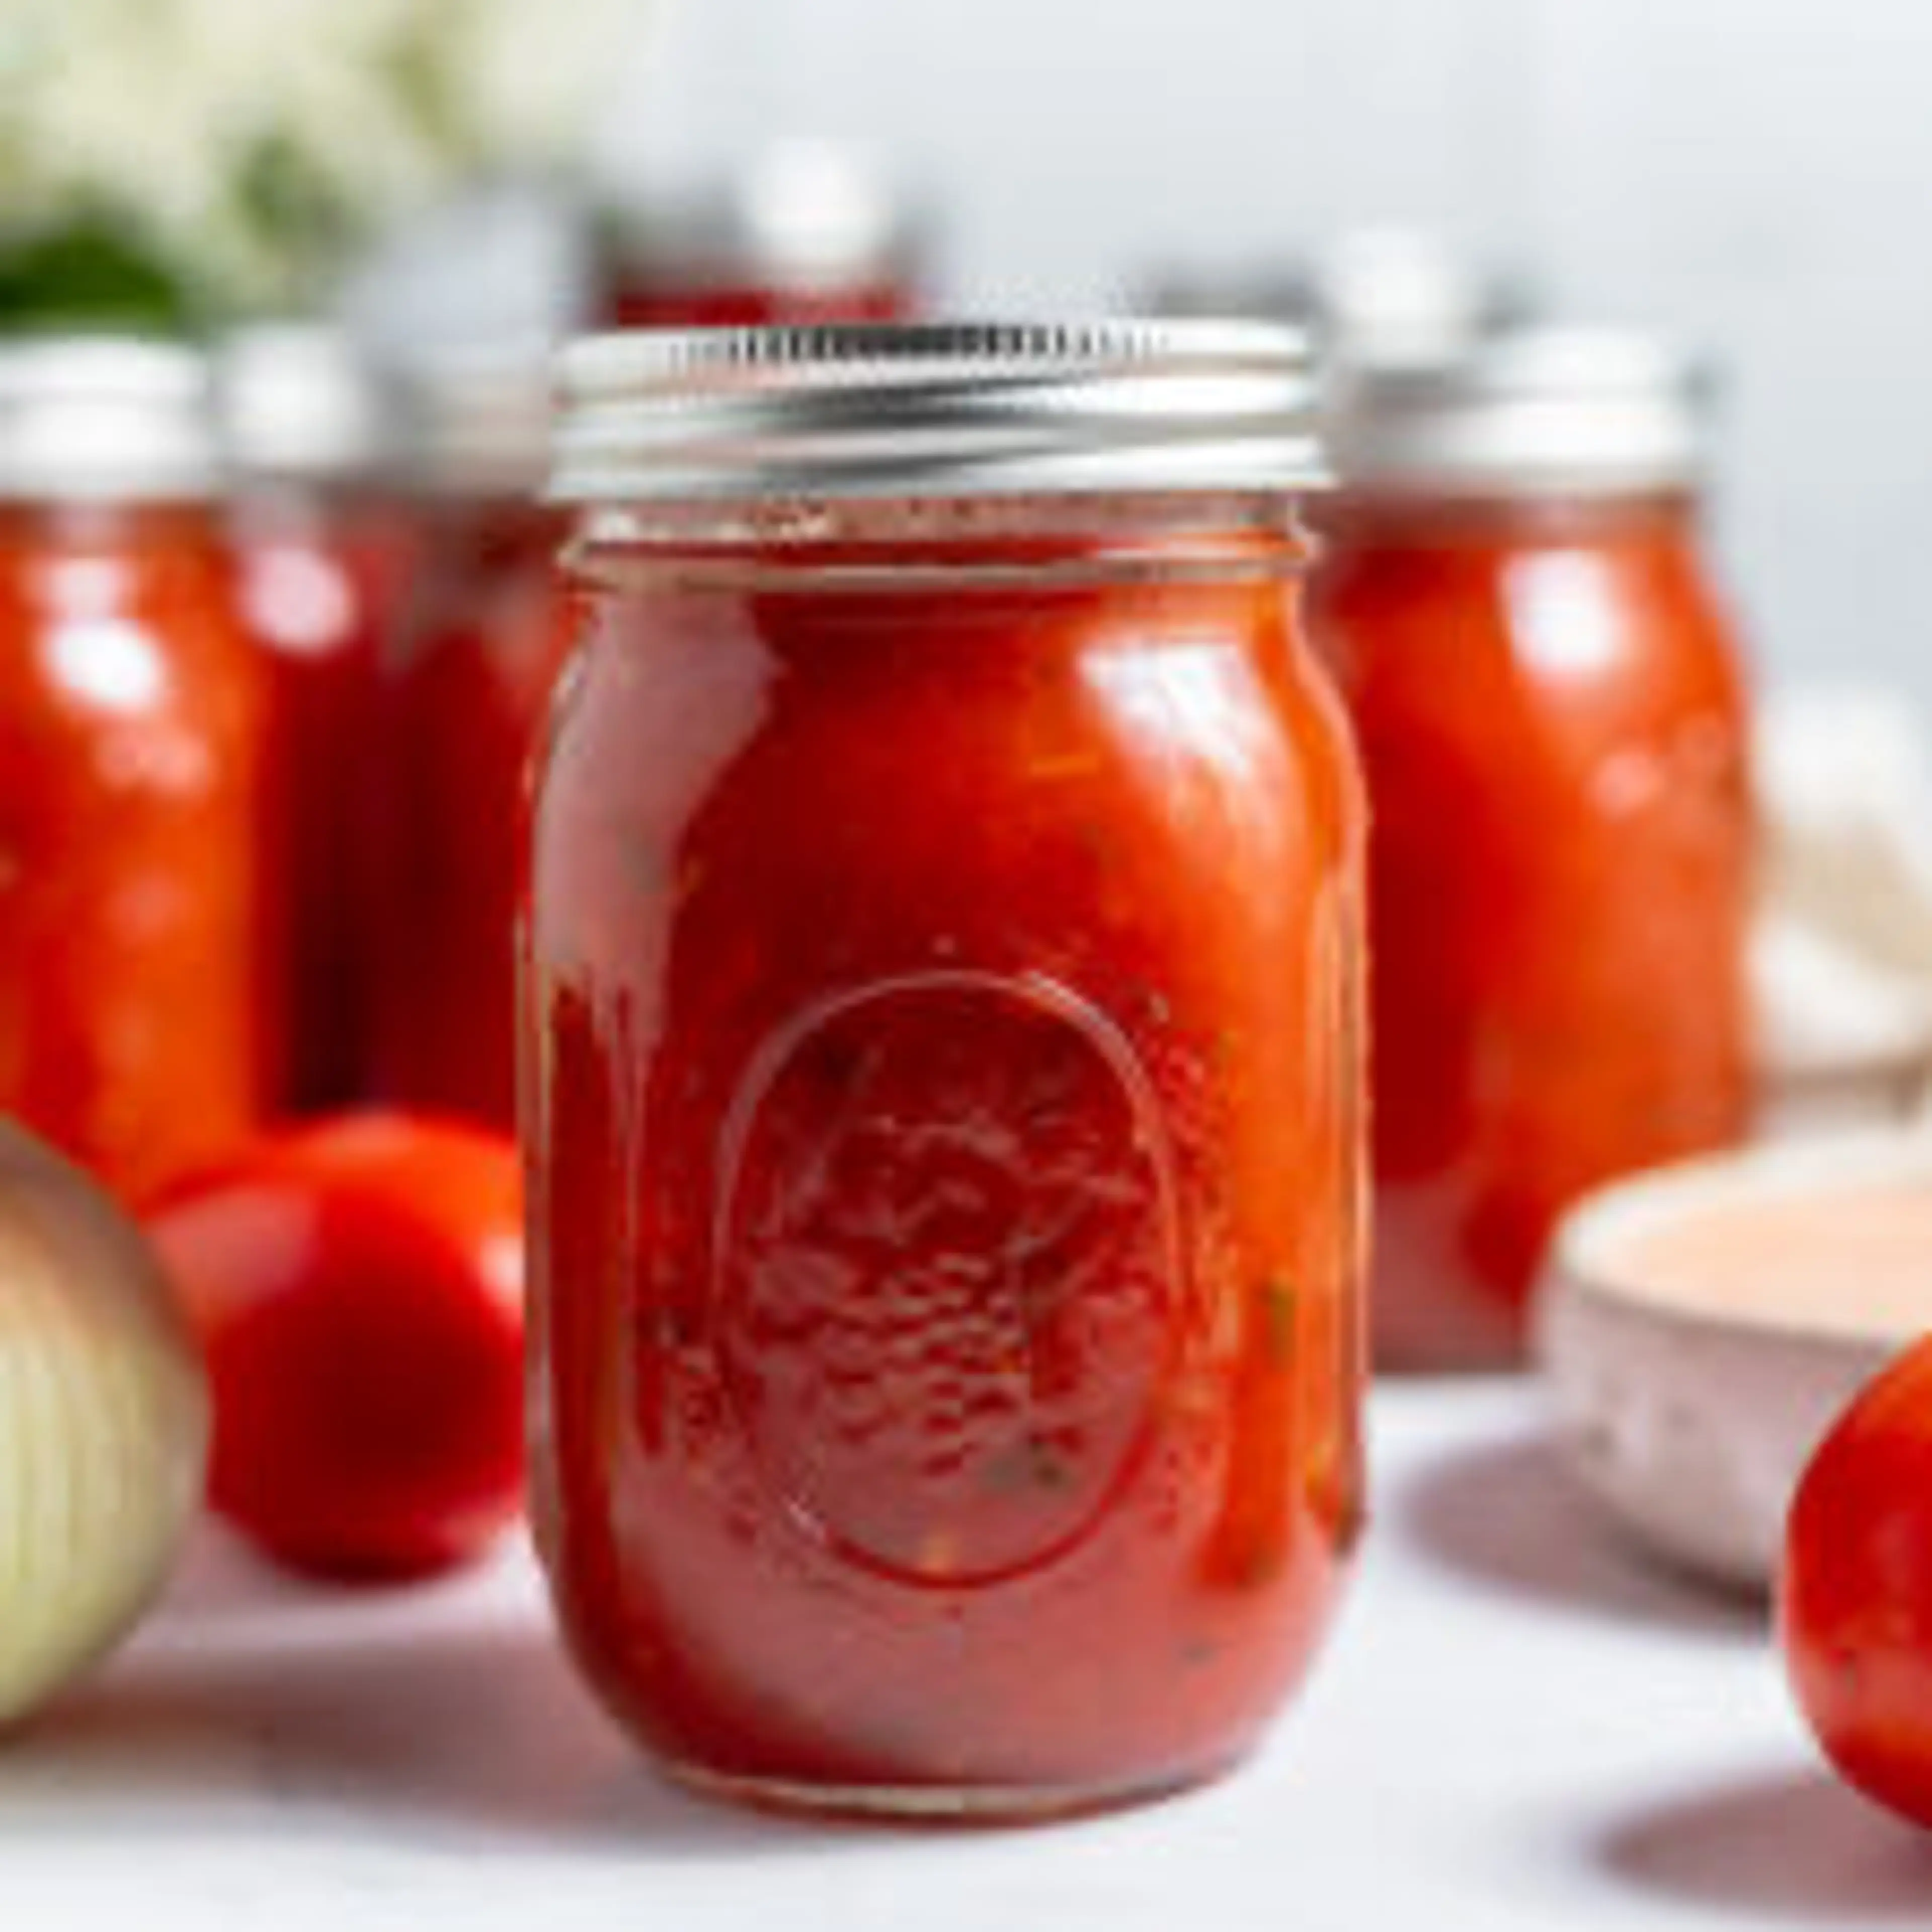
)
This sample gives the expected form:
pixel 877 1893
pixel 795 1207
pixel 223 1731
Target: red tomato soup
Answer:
pixel 321 538
pixel 466 689
pixel 1546 693
pixel 943 1115
pixel 130 708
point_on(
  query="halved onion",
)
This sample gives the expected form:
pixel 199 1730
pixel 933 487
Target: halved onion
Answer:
pixel 104 1423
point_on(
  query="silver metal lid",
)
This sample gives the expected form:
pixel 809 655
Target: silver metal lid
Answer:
pixel 802 215
pixel 937 410
pixel 105 419
pixel 480 418
pixel 298 402
pixel 1534 412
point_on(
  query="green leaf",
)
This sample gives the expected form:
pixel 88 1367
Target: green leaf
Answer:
pixel 426 77
pixel 1274 1305
pixel 299 217
pixel 91 273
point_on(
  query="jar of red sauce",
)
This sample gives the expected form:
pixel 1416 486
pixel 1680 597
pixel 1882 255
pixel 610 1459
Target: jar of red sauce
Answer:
pixel 1546 688
pixel 322 541
pixel 1380 291
pixel 465 689
pixel 807 232
pixel 942 1105
pixel 130 710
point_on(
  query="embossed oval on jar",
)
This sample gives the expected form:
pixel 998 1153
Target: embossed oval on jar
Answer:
pixel 946 1247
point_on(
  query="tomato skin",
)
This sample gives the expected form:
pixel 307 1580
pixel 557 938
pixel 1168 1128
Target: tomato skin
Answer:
pixel 357 1285
pixel 1856 1599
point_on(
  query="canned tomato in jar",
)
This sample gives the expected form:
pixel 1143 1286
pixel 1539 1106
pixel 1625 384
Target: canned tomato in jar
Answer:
pixel 134 1002
pixel 1546 691
pixel 465 689
pixel 321 538
pixel 943 1067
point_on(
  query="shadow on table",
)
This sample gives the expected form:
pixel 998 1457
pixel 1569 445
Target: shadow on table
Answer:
pixel 456 1734
pixel 1797 1848
pixel 1506 1514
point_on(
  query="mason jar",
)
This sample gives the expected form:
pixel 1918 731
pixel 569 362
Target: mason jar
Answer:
pixel 1546 684
pixel 465 686
pixel 322 540
pixel 942 1062
pixel 806 232
pixel 132 1021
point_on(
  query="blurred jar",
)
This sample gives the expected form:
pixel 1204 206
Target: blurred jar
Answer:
pixel 131 706
pixel 323 540
pixel 465 691
pixel 806 233
pixel 1546 690
pixel 1378 295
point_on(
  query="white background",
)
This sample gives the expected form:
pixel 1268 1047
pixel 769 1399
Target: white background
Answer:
pixel 1755 173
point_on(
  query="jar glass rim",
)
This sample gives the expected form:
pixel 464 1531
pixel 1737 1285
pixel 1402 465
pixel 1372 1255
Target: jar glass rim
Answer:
pixel 1096 534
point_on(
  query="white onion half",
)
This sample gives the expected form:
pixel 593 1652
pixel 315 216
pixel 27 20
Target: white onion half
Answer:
pixel 104 1423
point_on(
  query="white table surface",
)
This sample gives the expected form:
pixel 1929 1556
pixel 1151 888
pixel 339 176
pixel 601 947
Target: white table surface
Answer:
pixel 1517 1726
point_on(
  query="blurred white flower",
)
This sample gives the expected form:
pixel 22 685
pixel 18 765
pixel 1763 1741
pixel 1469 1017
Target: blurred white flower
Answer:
pixel 250 146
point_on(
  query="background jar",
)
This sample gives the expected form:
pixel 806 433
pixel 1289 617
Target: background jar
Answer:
pixel 323 539
pixel 131 703
pixel 943 1114
pixel 1546 691
pixel 466 687
pixel 807 231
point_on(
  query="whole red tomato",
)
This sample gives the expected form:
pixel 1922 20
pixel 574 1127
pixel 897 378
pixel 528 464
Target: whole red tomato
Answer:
pixel 358 1286
pixel 1856 1598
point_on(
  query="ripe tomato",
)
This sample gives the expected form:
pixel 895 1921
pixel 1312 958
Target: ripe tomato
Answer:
pixel 358 1286
pixel 1856 1598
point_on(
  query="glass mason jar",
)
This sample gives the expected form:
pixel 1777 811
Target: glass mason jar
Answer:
pixel 1546 693
pixel 130 708
pixel 466 688
pixel 807 233
pixel 942 1100
pixel 321 542
pixel 1388 292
